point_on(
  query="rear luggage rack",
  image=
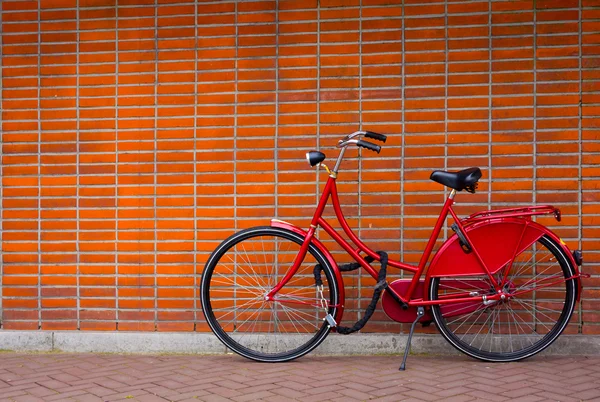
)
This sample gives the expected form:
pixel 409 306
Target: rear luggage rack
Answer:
pixel 513 213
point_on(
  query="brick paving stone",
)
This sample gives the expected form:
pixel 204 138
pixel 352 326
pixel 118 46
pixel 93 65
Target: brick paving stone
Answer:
pixel 41 392
pixel 151 398
pixel 53 384
pixel 214 398
pixel 64 377
pixel 589 394
pixel 12 394
pixel 561 398
pixel 230 384
pixel 224 392
pixel 361 387
pixel 420 387
pixel 389 398
pixel 108 383
pixel 160 391
pixel 589 384
pixel 528 398
pixel 355 394
pixel 517 393
pixel 383 392
pixel 424 396
pixel 451 392
pixel 288 393
pixel 345 398
pixel 254 396
pixel 258 388
pixel 320 397
pixel 459 398
pixel 101 391
pixel 199 387
pixel 189 395
pixel 296 386
pixel 88 398
pixel 27 398
pixel 487 395
pixel 65 395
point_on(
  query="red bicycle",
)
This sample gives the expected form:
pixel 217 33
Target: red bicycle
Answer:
pixel 501 288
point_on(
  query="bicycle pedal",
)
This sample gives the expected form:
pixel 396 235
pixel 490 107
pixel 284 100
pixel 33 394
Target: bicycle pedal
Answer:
pixel 331 321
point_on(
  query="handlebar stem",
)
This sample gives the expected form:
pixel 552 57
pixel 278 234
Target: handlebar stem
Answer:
pixel 339 160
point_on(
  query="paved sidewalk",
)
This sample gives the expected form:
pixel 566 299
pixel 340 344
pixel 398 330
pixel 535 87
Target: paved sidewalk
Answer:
pixel 88 377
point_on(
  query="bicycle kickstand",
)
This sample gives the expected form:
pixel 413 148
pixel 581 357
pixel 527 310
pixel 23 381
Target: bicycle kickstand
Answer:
pixel 420 313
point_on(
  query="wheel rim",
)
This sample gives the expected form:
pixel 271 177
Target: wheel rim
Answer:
pixel 519 326
pixel 243 272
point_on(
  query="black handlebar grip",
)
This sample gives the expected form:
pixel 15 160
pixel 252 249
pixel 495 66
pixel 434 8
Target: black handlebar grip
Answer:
pixel 375 136
pixel 369 145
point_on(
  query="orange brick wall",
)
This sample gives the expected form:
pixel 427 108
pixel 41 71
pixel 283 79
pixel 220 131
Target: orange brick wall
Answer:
pixel 136 136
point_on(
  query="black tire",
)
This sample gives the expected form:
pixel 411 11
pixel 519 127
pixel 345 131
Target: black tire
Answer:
pixel 235 281
pixel 522 326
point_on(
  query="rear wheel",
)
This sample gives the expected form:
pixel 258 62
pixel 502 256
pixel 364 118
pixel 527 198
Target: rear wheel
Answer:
pixel 522 325
pixel 238 276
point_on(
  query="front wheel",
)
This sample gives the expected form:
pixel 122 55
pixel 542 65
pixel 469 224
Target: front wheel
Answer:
pixel 520 326
pixel 238 276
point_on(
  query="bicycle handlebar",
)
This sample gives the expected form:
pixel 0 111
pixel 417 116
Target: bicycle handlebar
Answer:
pixel 368 145
pixel 349 139
pixel 375 136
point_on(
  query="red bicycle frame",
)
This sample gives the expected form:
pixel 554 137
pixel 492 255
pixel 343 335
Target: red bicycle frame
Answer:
pixel 317 220
pixel 498 217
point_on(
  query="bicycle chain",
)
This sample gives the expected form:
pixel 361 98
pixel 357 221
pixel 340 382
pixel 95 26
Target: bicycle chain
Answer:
pixel 379 287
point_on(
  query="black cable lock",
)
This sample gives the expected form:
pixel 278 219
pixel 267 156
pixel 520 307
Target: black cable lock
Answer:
pixel 379 287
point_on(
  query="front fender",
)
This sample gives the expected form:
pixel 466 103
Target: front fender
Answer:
pixel 317 243
pixel 496 241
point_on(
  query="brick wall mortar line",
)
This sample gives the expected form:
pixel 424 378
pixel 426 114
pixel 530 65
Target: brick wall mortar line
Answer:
pixel 276 144
pixel 235 118
pixel 318 102
pixel 155 167
pixel 534 146
pixel 403 142
pixel 39 156
pixel 580 159
pixel 235 137
pixel 77 133
pixel 360 151
pixel 446 58
pixel 490 97
pixel 534 167
pixel 116 164
pixel 196 294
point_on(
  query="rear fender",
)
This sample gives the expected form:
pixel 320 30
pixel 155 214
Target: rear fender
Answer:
pixel 317 243
pixel 496 241
pixel 574 265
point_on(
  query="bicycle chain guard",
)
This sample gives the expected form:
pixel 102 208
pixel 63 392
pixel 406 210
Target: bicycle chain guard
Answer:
pixel 395 310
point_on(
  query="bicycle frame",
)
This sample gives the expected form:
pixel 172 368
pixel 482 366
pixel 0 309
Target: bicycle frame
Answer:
pixel 330 190
pixel 506 216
